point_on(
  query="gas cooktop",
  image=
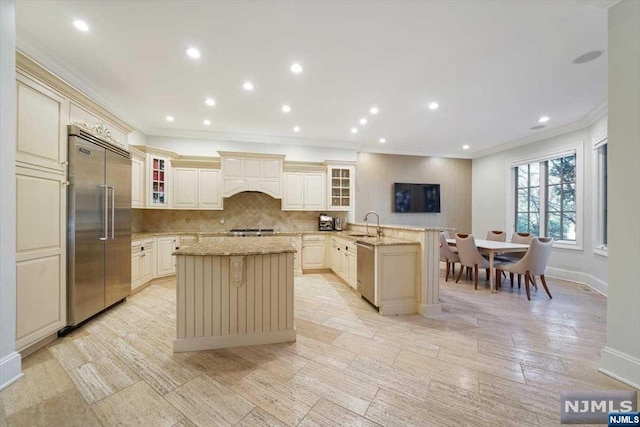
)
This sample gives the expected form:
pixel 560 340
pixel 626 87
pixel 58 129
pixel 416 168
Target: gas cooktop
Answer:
pixel 251 232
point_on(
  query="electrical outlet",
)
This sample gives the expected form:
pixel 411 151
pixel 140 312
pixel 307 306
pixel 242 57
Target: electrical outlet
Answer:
pixel 222 221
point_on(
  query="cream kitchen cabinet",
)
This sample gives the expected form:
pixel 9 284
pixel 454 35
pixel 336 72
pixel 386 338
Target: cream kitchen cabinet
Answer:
pixel 166 263
pixel 42 116
pixel 313 251
pixel 41 285
pixel 344 260
pixel 304 191
pixel 142 262
pixel 209 194
pixel 138 173
pixel 341 184
pixel 158 181
pixel 242 172
pixel 196 188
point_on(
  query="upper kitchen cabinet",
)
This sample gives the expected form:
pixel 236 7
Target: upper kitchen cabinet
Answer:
pixel 41 129
pixel 209 194
pixel 138 172
pixel 341 183
pixel 304 191
pixel 196 188
pixel 158 181
pixel 249 172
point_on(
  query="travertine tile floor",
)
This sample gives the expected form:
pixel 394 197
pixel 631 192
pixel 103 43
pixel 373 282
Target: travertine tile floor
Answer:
pixel 492 359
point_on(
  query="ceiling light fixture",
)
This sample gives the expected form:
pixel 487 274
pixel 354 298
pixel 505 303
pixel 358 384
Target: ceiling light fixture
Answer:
pixel 382 140
pixel 248 86
pixel 363 121
pixel 354 130
pixel 193 52
pixel 434 106
pixel 81 25
pixel 286 108
pixel 374 110
pixel 210 102
pixel 169 118
pixel 543 119
pixel 207 122
pixel 465 147
pixel 296 68
pixel 296 129
pixel 588 57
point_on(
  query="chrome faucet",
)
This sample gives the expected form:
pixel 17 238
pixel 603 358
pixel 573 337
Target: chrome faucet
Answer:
pixel 378 231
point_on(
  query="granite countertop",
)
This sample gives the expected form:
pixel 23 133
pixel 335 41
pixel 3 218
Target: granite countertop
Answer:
pixel 237 246
pixel 405 227
pixel 374 240
pixel 147 234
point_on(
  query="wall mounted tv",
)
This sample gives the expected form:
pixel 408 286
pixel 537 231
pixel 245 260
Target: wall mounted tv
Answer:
pixel 412 198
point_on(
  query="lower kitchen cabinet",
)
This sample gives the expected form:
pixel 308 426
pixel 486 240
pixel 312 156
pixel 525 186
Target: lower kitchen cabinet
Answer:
pixel 313 251
pixel 343 254
pixel 166 263
pixel 142 262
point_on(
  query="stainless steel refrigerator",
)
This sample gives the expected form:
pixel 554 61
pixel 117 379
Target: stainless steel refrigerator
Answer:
pixel 99 225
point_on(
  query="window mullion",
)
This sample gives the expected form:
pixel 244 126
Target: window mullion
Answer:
pixel 544 179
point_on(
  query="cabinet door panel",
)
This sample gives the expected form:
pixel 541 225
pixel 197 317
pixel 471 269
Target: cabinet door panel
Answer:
pixel 209 196
pixel 272 188
pixel 38 212
pixel 313 255
pixel 233 186
pixel 137 183
pixel 293 197
pixel 136 270
pixel 147 265
pixel 166 263
pixel 232 168
pixel 252 168
pixel 185 188
pixel 314 191
pixel 272 169
pixel 41 135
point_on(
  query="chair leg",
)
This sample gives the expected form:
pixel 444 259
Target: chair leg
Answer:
pixel 511 278
pixel 453 268
pixel 526 285
pixel 460 273
pixel 519 277
pixel 533 282
pixel 486 270
pixel 544 283
pixel 446 274
pixel 475 277
pixel 499 279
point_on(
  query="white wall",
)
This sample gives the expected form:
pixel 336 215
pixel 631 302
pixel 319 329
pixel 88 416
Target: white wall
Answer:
pixel 137 138
pixel 209 147
pixel 9 359
pixel 621 356
pixel 491 193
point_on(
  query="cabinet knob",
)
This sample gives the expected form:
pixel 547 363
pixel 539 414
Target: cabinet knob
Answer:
pixel 142 248
pixel 64 163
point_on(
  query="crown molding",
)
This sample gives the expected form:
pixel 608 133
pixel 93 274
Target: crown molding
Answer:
pixel 587 120
pixel 599 4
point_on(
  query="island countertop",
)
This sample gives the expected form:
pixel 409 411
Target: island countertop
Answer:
pixel 237 246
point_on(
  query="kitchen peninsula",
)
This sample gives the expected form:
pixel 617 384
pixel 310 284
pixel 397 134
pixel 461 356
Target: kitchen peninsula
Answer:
pixel 234 292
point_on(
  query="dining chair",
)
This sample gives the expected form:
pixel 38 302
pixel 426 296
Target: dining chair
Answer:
pixel 470 256
pixel 524 239
pixel 448 256
pixel 497 236
pixel 533 263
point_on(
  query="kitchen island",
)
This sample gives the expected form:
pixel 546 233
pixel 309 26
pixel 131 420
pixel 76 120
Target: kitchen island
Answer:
pixel 234 292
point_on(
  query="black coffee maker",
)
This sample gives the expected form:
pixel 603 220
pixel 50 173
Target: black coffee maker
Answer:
pixel 325 222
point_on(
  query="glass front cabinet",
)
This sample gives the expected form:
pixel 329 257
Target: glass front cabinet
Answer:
pixel 158 181
pixel 341 187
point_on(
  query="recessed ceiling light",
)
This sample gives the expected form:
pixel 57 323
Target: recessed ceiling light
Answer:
pixel 296 68
pixel 81 25
pixel 296 129
pixel 169 118
pixel 210 102
pixel 537 127
pixel 543 119
pixel 248 86
pixel 206 122
pixel 363 121
pixel 465 147
pixel 382 140
pixel 286 108
pixel 193 53
pixel 434 106
pixel 588 57
pixel 354 130
pixel 373 110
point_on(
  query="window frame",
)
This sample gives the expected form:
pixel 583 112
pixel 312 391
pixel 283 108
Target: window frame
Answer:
pixel 539 157
pixel 599 247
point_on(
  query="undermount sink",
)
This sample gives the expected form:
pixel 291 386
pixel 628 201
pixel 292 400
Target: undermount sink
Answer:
pixel 361 235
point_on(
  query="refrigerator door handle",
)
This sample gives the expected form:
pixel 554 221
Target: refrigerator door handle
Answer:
pixel 113 211
pixel 106 212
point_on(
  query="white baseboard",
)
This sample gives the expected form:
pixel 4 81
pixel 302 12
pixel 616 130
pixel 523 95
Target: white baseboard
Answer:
pixel 398 307
pixel 430 309
pixel 238 340
pixel 621 366
pixel 10 369
pixel 595 283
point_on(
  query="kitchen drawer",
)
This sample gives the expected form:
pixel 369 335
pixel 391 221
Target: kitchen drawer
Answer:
pixel 313 237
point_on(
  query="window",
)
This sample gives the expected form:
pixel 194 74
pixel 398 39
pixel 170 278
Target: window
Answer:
pixel 545 198
pixel 602 196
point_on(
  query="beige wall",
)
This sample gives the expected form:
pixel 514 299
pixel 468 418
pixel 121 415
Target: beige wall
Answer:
pixel 376 174
pixel 621 356
pixel 243 210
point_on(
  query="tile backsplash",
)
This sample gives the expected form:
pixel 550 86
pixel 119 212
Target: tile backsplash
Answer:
pixel 243 210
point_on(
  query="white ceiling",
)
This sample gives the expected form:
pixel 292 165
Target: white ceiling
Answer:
pixel 493 66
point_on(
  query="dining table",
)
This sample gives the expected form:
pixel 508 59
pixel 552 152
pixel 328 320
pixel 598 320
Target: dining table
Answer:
pixel 493 248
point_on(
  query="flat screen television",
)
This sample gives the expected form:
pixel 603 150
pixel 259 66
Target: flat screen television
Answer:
pixel 411 198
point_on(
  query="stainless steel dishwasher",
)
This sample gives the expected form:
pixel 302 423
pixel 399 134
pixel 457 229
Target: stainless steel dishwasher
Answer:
pixel 366 272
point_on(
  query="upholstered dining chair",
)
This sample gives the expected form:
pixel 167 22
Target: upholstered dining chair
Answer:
pixel 470 256
pixel 497 236
pixel 448 256
pixel 524 239
pixel 533 263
